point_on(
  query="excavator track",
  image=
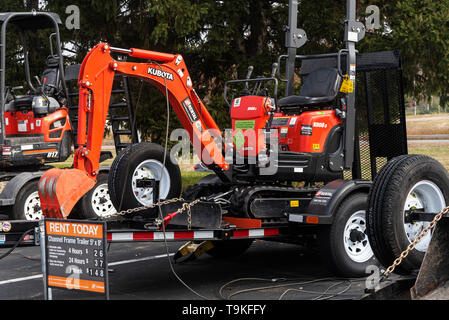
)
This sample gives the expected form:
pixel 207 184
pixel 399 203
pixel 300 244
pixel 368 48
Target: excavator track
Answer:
pixel 265 202
pixel 269 202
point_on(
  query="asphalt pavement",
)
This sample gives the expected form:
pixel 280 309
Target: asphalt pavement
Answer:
pixel 141 271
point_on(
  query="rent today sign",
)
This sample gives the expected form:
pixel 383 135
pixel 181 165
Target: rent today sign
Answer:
pixel 75 253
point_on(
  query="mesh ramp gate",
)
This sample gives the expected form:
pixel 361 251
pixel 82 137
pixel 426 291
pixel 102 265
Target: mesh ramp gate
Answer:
pixel 380 132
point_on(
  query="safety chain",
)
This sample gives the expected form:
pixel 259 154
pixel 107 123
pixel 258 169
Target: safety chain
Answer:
pixel 185 206
pixel 137 209
pixel 412 245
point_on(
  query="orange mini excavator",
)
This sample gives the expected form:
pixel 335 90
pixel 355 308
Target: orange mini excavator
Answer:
pixel 61 189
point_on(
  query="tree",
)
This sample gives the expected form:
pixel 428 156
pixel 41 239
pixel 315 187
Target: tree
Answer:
pixel 219 39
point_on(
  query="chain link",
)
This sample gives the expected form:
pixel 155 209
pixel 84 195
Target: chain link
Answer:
pixel 412 245
pixel 185 206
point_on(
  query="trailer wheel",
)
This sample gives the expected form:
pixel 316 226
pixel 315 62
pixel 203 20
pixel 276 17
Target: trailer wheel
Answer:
pixel 139 162
pixel 97 202
pixel 344 245
pixel 28 205
pixel 409 182
pixel 229 248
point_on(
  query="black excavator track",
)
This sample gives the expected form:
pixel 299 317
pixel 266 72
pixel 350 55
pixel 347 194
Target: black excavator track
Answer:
pixel 269 203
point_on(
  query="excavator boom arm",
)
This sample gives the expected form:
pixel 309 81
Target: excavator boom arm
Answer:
pixel 166 72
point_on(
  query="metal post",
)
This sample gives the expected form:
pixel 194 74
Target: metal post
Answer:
pixel 2 81
pixel 47 290
pixel 354 32
pixel 295 38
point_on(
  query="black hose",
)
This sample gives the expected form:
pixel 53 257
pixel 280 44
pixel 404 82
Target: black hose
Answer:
pixel 16 244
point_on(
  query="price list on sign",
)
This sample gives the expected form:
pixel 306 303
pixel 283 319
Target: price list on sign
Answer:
pixel 75 253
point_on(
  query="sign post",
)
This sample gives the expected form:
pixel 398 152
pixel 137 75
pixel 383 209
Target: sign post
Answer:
pixel 74 256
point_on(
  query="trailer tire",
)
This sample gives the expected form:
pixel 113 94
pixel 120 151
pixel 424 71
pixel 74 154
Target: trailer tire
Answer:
pixel 409 181
pixel 344 246
pixel 129 165
pixel 229 248
pixel 97 202
pixel 27 204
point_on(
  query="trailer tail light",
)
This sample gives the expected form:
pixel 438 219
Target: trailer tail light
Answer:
pixel 6 151
pixel 312 220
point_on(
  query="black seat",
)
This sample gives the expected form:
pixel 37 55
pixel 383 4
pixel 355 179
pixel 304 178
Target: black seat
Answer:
pixel 320 87
pixel 51 76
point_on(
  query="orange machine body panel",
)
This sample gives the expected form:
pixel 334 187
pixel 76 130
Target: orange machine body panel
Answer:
pixel 249 116
pixel 306 132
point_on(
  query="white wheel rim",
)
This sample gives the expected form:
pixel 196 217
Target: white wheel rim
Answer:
pixel 150 169
pixel 423 195
pixel 101 202
pixel 357 251
pixel 32 207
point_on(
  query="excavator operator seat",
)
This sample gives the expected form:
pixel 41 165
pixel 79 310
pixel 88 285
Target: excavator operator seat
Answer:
pixel 51 76
pixel 320 87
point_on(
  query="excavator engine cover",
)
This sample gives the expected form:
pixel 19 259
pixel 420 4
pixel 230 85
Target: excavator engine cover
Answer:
pixel 249 116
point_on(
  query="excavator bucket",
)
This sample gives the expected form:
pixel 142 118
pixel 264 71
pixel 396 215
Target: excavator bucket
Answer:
pixel 432 282
pixel 60 190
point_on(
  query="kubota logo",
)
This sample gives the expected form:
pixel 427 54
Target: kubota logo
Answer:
pixel 161 74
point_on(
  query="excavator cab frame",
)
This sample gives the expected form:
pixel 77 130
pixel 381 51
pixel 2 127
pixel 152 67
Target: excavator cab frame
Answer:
pixel 27 21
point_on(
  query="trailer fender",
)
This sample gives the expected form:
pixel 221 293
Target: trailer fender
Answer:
pixel 12 188
pixel 324 204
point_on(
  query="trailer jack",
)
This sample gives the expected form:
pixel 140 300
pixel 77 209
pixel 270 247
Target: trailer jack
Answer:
pixel 192 250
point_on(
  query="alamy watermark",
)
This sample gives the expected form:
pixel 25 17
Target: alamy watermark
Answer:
pixel 72 22
pixel 372 21
pixel 250 146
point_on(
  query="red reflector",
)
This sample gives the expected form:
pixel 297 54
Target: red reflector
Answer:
pixel 313 220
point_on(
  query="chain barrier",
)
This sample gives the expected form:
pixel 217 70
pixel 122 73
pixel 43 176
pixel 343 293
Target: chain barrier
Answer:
pixel 185 207
pixel 412 245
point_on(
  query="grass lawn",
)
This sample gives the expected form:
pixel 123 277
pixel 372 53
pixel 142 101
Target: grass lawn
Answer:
pixel 428 124
pixel 439 151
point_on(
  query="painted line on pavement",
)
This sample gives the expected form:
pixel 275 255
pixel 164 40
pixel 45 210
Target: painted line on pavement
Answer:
pixel 111 264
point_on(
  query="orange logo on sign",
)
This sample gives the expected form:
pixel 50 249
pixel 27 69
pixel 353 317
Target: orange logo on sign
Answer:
pixel 74 229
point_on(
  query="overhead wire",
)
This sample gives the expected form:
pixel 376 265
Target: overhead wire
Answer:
pixel 161 216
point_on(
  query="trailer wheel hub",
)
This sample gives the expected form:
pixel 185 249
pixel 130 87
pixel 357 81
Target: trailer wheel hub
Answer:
pixel 32 205
pixel 150 169
pixel 354 238
pixel 423 195
pixel 101 202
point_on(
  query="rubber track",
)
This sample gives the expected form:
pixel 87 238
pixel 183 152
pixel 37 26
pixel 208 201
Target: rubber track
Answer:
pixel 243 197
